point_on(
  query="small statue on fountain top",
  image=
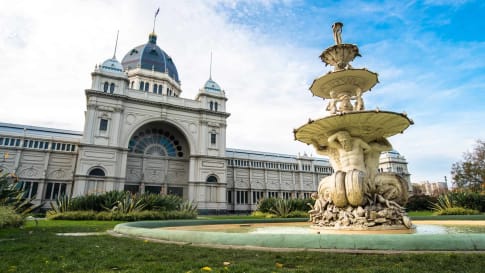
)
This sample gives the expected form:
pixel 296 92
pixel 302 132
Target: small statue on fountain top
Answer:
pixel 337 32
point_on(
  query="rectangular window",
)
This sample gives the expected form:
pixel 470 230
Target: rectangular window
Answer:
pixel 273 194
pixel 55 190
pixel 257 195
pixel 95 186
pixel 103 125
pixel 131 188
pixel 286 195
pixel 242 197
pixel 178 191
pixel 153 189
pixel 29 188
pixel 229 197
pixel 213 138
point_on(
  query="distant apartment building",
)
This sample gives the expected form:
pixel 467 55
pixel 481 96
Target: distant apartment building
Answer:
pixel 430 188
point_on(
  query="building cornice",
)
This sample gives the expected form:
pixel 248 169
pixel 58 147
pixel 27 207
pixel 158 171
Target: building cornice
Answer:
pixel 125 98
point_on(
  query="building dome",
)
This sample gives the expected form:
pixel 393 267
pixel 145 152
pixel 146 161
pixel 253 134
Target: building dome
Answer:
pixel 151 57
pixel 212 86
pixel 112 66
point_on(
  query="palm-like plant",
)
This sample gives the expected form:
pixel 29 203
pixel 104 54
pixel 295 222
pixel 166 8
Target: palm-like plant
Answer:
pixel 11 194
pixel 282 208
pixel 129 204
pixel 443 203
pixel 188 206
pixel 63 204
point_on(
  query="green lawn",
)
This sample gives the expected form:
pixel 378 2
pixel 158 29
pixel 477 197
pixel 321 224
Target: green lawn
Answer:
pixel 420 213
pixel 39 249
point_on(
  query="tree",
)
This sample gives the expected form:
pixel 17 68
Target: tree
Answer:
pixel 469 174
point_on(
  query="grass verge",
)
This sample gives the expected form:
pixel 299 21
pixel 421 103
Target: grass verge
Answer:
pixel 39 249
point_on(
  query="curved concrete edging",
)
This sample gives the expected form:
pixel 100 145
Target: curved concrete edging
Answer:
pixel 378 242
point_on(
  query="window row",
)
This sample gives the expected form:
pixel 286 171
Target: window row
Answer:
pixel 242 197
pixel 156 88
pixel 52 189
pixel 213 106
pixel 320 169
pixel 399 169
pixel 262 164
pixel 275 165
pixel 37 144
pixel 108 87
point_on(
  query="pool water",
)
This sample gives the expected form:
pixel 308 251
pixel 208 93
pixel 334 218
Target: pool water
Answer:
pixel 304 228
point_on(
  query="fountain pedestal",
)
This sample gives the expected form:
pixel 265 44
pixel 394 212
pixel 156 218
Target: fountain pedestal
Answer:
pixel 356 196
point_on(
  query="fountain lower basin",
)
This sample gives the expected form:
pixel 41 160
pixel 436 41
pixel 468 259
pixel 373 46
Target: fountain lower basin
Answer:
pixel 179 231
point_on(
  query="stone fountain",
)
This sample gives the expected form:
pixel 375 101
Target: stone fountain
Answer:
pixel 356 196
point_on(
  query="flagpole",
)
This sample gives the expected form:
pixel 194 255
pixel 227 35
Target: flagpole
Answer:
pixel 154 19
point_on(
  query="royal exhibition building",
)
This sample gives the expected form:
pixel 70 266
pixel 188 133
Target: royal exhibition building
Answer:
pixel 141 135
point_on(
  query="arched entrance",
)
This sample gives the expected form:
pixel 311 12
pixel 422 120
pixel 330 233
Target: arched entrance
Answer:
pixel 158 160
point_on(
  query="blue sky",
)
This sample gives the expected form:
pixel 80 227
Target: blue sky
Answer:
pixel 429 56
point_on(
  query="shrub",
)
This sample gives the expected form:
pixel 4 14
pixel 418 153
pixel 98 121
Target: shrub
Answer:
pixel 161 202
pixel 282 208
pixel 9 218
pixel 302 204
pixel 456 211
pixel 298 214
pixel 446 205
pixel 110 199
pixel 87 203
pixel 125 200
pixel 188 206
pixel 263 214
pixel 266 204
pixel 420 202
pixel 119 216
pixel 130 203
pixel 469 200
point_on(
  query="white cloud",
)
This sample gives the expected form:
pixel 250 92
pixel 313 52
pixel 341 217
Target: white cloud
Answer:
pixel 49 48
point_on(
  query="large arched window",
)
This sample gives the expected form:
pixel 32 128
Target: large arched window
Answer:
pixel 112 88
pixel 105 87
pixel 156 142
pixel 211 179
pixel 96 183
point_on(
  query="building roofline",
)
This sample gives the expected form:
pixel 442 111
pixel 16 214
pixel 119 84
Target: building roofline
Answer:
pixel 260 153
pixel 38 129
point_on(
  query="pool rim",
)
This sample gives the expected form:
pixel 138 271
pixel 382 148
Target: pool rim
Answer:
pixel 353 242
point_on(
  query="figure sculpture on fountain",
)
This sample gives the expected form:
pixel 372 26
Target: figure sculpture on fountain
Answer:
pixel 356 195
